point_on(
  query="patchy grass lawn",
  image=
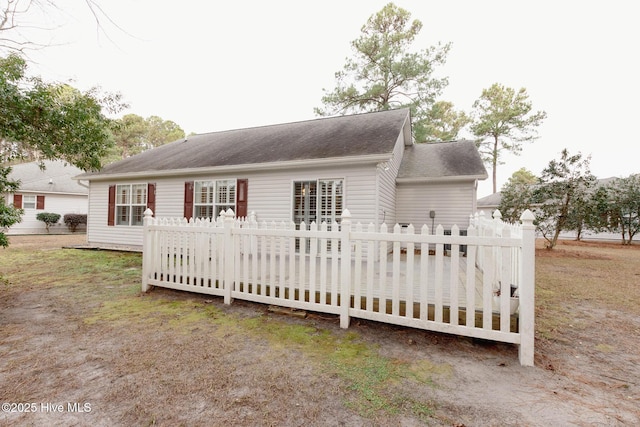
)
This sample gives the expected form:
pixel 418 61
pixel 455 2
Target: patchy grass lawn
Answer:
pixel 603 275
pixel 98 292
pixel 75 329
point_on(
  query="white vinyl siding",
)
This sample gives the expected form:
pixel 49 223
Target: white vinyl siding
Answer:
pixel 55 203
pixel 387 185
pixel 452 203
pixel 270 197
pixel 97 229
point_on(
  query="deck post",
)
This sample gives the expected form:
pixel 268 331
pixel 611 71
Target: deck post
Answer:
pixel 147 249
pixel 527 289
pixel 345 280
pixel 228 253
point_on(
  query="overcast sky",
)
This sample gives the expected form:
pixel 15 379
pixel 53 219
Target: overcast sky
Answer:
pixel 213 65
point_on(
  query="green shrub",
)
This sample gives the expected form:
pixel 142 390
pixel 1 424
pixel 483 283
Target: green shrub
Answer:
pixel 48 218
pixel 74 220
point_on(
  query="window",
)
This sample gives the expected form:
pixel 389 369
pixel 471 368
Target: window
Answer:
pixel 131 202
pixel 212 197
pixel 225 195
pixel 28 202
pixel 203 199
pixel 305 202
pixel 319 201
pixel 330 200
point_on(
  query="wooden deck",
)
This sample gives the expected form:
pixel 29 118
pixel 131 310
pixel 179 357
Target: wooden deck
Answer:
pixel 277 282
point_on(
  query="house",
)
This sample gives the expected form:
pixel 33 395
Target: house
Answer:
pixel 490 203
pixel 303 171
pixel 50 189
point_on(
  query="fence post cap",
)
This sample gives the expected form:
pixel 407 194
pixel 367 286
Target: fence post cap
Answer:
pixel 148 213
pixel 527 217
pixel 497 214
pixel 229 213
pixel 346 214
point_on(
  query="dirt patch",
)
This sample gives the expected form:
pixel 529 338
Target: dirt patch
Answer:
pixel 563 253
pixel 586 249
pixel 44 241
pixel 111 356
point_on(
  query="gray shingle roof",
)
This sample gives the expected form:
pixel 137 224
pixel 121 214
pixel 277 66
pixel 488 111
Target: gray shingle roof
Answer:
pixel 326 138
pixel 442 160
pixel 57 177
pixel 490 200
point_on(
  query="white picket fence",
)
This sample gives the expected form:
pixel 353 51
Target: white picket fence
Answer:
pixel 420 280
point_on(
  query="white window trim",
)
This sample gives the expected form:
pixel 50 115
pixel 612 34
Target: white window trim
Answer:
pixel 30 197
pixel 214 204
pixel 335 216
pixel 318 181
pixel 130 204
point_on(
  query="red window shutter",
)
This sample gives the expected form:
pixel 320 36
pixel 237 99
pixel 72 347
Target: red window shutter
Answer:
pixel 151 197
pixel 40 202
pixel 188 199
pixel 242 188
pixel 111 213
pixel 17 201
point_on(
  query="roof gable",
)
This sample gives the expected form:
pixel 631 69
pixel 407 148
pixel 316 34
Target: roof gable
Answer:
pixel 327 138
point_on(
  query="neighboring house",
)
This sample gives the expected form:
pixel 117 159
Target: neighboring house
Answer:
pixel 490 203
pixel 303 171
pixel 51 189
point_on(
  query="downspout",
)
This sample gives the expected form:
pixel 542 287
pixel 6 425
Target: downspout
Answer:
pixel 377 200
pixel 474 201
pixel 377 213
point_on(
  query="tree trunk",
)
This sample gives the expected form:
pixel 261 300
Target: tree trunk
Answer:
pixel 495 163
pixel 562 219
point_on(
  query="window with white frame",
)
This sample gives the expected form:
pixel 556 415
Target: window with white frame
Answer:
pixel 330 200
pixel 319 201
pixel 305 202
pixel 28 201
pixel 213 197
pixel 131 202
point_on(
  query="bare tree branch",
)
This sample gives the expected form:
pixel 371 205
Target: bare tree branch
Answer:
pixel 18 19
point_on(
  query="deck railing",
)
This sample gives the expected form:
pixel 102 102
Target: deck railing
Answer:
pixel 415 278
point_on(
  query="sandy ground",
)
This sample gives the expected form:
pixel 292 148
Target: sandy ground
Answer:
pixel 142 374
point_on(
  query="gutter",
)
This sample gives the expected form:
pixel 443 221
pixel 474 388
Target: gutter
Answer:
pixel 45 192
pixel 424 179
